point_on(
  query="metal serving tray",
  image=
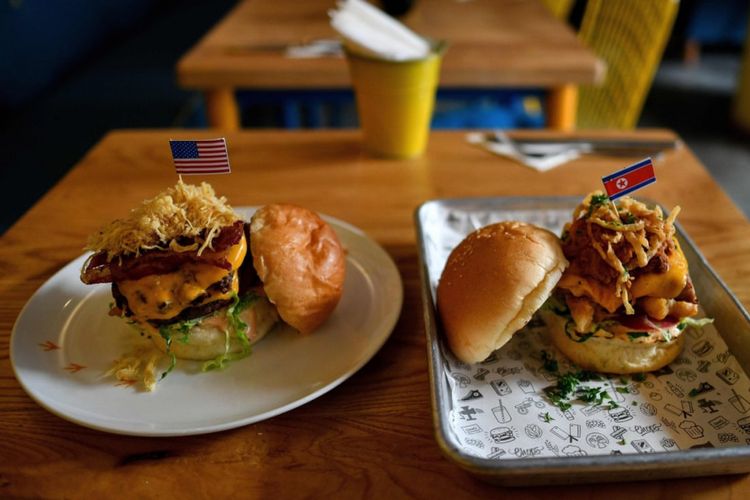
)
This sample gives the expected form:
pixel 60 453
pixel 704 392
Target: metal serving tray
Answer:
pixel 493 419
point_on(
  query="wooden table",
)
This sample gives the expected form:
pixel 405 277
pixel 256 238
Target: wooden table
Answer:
pixel 498 43
pixel 370 437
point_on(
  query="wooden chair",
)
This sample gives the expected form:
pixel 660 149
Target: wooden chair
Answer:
pixel 559 8
pixel 629 36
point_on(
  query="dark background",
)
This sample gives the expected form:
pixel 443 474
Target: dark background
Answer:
pixel 72 71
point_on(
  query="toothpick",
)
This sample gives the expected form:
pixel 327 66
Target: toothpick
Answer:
pixel 617 213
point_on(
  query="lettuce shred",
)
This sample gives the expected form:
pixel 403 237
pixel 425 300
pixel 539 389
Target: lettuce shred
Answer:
pixel 238 328
pixel 694 323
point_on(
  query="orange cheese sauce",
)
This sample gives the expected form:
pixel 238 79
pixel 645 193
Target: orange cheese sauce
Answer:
pixel 163 296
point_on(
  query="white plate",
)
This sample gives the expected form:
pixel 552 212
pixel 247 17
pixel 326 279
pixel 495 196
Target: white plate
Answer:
pixel 63 342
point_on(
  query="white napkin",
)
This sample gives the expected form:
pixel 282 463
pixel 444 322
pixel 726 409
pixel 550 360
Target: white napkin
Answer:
pixel 368 30
pixel 544 156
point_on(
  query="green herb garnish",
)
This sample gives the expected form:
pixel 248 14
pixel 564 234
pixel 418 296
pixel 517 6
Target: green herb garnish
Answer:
pixel 568 386
pixel 596 200
pixel 560 393
pixel 628 218
pixel 637 335
pixel 594 395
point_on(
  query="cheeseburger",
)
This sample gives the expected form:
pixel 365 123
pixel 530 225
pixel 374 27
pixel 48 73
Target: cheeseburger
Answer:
pixel 203 284
pixel 622 304
pixel 614 292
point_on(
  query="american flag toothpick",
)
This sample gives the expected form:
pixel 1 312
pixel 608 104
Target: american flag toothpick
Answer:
pixel 206 156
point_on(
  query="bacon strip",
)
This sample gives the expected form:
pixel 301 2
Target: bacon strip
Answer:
pixel 642 322
pixel 98 270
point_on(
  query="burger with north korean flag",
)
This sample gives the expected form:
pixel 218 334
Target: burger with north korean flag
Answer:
pixel 622 304
pixel 614 289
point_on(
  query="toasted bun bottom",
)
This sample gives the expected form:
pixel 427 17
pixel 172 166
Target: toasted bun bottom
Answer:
pixel 300 261
pixel 612 355
pixel 208 339
pixel 492 284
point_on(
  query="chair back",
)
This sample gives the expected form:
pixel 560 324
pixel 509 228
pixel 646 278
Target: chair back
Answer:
pixel 629 36
pixel 559 8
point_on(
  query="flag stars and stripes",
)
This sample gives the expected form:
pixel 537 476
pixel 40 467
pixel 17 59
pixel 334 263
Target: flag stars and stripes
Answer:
pixel 200 157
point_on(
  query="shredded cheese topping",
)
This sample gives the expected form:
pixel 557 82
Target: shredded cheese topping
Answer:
pixel 181 211
pixel 139 365
pixel 642 227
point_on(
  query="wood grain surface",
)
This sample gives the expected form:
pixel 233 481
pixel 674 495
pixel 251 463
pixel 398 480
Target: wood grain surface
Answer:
pixel 372 437
pixel 490 44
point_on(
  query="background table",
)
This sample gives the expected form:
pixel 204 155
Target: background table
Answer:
pixel 370 437
pixel 498 43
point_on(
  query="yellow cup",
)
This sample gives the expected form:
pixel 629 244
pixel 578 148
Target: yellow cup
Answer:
pixel 395 100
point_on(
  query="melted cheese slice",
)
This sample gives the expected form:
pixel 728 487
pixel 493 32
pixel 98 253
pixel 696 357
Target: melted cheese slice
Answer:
pixel 665 285
pixel 580 287
pixel 164 296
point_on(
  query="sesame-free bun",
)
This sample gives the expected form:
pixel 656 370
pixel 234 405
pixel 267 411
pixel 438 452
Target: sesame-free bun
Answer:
pixel 492 284
pixel 300 261
pixel 612 354
pixel 208 339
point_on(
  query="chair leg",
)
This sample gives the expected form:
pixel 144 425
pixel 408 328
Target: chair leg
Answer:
pixel 562 105
pixel 221 107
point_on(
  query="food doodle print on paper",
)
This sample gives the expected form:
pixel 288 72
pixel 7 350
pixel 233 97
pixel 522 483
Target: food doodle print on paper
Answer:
pixel 667 411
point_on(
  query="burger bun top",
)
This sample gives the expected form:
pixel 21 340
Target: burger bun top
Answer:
pixel 493 283
pixel 300 261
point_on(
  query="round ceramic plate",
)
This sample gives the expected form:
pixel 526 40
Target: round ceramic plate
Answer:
pixel 63 342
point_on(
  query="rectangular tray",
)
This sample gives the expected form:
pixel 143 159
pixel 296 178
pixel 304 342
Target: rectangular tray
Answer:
pixel 440 225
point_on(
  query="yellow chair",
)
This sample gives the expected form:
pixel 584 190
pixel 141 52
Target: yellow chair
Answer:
pixel 559 8
pixel 629 36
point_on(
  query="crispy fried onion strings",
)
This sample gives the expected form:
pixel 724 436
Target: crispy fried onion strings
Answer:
pixel 644 228
pixel 183 212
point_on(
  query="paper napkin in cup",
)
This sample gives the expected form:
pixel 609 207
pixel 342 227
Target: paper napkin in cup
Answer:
pixel 369 31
